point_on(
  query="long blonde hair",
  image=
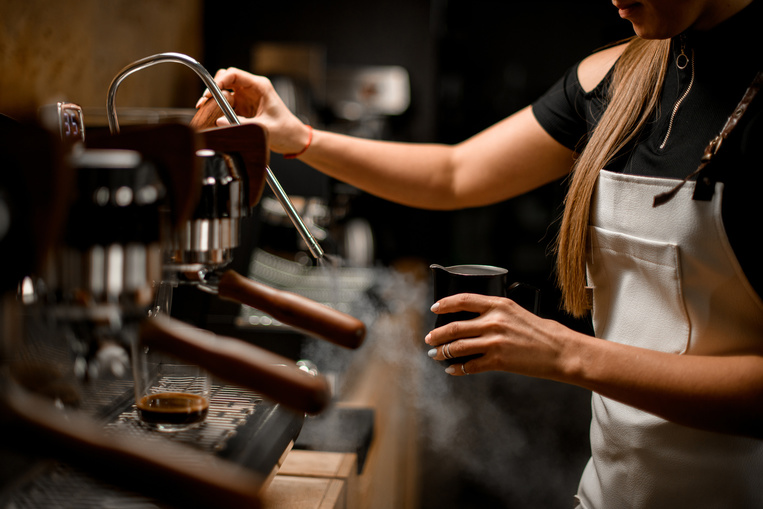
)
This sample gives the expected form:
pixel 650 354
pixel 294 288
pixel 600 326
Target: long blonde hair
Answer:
pixel 634 94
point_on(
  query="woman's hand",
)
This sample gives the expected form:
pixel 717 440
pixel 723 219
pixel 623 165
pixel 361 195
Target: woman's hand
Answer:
pixel 507 336
pixel 255 100
pixel 716 393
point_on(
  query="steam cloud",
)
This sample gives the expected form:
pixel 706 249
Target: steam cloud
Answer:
pixel 491 440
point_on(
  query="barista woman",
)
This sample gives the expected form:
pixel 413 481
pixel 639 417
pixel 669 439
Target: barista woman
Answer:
pixel 676 367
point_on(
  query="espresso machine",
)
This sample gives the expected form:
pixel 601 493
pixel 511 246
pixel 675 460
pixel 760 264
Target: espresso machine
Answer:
pixel 235 169
pixel 66 335
pixel 100 232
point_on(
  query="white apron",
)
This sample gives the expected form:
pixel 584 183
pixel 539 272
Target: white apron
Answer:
pixel 666 279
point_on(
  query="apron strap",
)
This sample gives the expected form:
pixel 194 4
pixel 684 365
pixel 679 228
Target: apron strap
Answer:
pixel 705 186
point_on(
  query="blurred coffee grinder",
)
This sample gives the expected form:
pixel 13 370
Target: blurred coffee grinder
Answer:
pixel 95 274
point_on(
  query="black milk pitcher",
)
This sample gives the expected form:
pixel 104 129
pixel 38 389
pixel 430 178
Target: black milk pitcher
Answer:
pixel 480 279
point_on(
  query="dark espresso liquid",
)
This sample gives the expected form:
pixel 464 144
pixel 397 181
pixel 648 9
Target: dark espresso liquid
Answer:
pixel 176 408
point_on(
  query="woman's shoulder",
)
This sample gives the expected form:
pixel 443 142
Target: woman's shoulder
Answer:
pixel 595 67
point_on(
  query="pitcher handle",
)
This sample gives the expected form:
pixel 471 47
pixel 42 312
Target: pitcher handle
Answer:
pixel 536 294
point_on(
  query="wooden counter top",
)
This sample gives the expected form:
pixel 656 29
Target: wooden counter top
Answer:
pixel 312 479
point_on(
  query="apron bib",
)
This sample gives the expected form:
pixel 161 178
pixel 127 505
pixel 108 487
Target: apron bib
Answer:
pixel 666 279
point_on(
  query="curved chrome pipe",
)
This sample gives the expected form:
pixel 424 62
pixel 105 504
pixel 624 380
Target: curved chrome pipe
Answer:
pixel 230 114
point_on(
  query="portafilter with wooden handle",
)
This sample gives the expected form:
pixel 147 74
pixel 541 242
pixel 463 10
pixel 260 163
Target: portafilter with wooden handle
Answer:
pixel 249 148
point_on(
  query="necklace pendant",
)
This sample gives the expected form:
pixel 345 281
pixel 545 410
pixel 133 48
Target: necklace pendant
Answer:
pixel 682 60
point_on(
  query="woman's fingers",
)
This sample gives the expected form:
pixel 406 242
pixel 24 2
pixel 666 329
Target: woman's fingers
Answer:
pixel 226 79
pixel 455 330
pixel 503 336
pixel 455 349
pixel 472 302
pixel 203 99
pixel 255 100
pixel 495 313
pixel 462 369
pixel 481 336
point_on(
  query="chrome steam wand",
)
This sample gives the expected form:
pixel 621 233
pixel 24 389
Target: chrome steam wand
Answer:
pixel 230 114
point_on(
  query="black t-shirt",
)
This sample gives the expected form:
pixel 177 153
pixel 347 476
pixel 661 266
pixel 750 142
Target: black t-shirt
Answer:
pixel 723 63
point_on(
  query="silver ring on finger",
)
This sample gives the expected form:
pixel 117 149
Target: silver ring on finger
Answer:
pixel 446 351
pixel 463 369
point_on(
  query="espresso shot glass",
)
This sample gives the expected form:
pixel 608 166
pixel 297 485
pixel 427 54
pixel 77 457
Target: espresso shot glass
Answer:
pixel 170 395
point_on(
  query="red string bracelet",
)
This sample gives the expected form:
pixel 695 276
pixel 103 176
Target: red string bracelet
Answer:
pixel 307 145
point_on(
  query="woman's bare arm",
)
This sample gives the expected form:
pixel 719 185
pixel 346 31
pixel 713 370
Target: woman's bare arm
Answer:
pixel 508 159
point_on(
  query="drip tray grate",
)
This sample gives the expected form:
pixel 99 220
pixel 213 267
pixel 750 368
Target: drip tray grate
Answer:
pixel 229 408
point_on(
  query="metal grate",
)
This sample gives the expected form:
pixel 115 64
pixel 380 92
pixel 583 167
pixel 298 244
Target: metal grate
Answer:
pixel 331 283
pixel 342 288
pixel 229 407
pixel 63 487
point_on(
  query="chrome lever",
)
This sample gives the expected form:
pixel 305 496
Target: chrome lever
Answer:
pixel 230 114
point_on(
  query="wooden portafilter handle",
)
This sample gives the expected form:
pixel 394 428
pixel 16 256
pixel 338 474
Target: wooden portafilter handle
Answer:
pixel 238 362
pixel 208 113
pixel 294 309
pixel 170 472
